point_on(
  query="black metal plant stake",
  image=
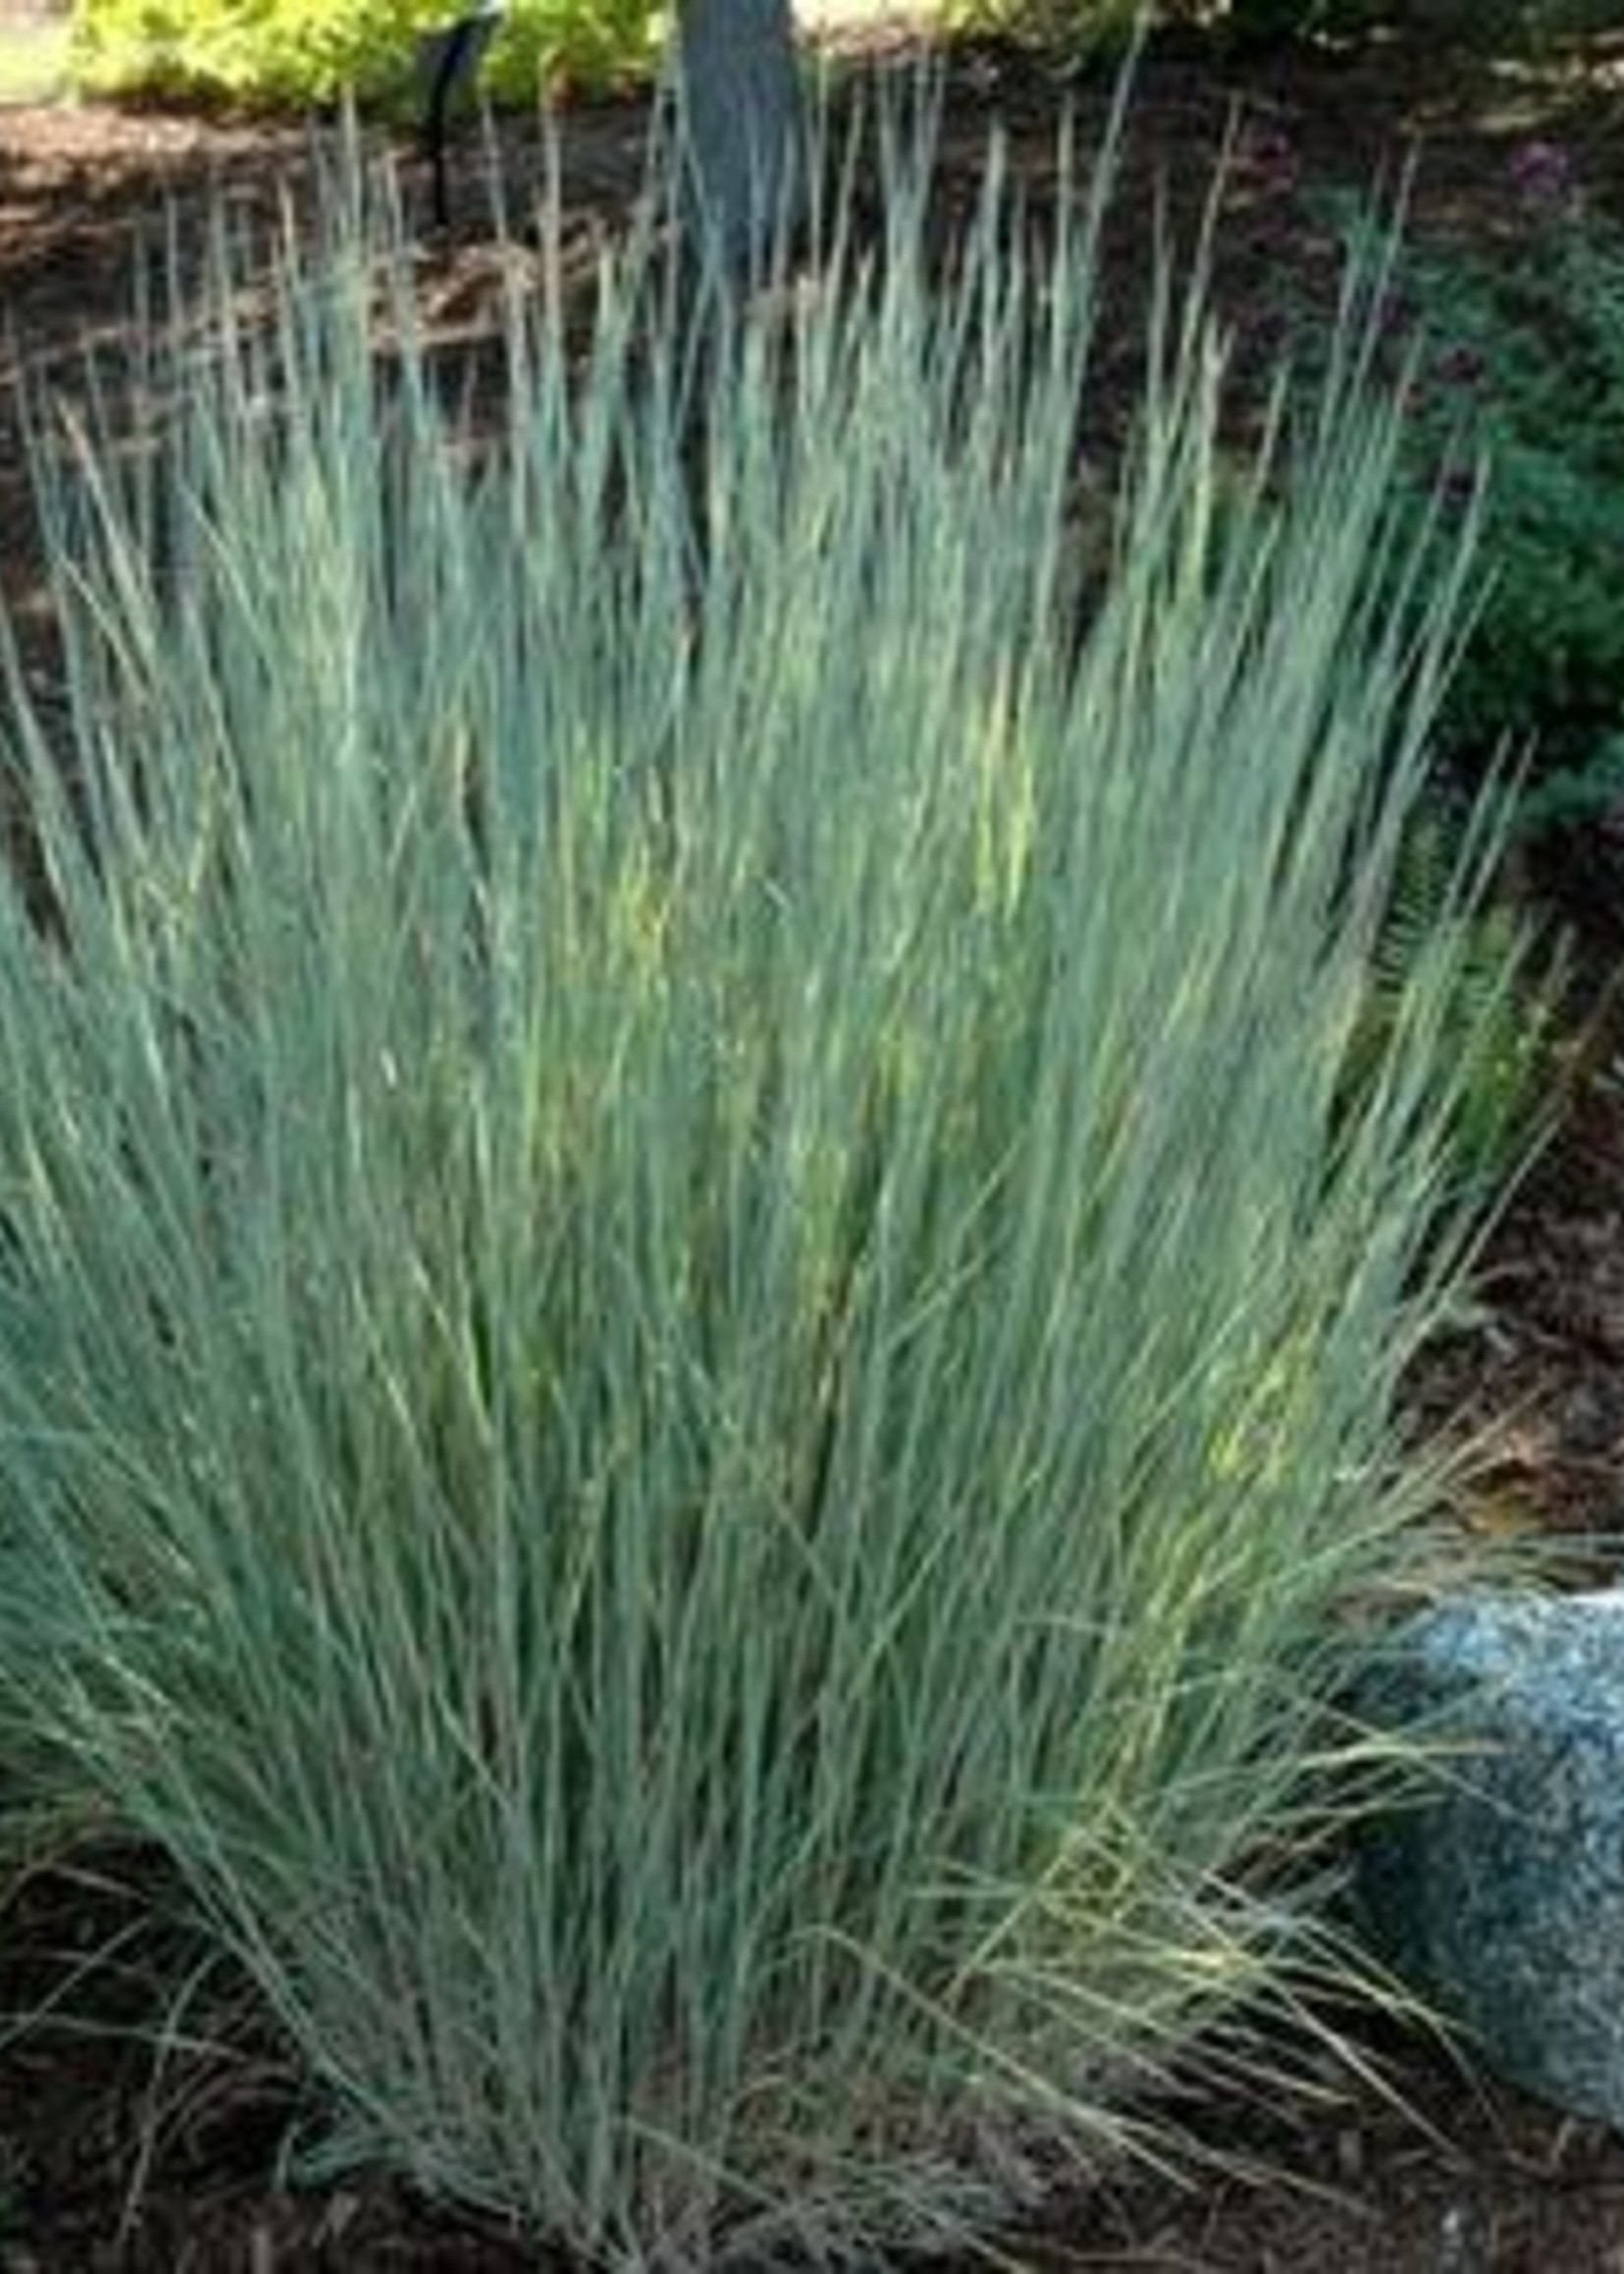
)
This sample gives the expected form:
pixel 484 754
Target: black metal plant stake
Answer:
pixel 449 59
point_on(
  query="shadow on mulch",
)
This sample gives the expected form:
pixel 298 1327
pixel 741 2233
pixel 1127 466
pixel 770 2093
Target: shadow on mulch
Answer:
pixel 114 2155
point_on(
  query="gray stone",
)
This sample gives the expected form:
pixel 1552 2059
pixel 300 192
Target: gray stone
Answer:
pixel 1501 1895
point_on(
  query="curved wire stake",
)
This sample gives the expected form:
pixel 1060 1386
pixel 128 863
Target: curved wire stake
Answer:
pixel 447 59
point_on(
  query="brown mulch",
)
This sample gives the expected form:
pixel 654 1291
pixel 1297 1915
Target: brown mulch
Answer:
pixel 114 2156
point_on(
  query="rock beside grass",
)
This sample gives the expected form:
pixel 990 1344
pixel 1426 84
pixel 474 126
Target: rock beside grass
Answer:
pixel 1500 1897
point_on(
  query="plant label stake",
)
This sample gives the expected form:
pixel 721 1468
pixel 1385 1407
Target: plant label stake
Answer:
pixel 449 59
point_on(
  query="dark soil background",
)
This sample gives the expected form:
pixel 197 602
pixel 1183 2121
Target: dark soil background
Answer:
pixel 137 2134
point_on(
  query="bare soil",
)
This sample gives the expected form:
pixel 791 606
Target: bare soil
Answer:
pixel 114 2155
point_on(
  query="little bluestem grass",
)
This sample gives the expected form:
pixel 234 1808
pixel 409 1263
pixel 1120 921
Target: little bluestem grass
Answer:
pixel 696 1351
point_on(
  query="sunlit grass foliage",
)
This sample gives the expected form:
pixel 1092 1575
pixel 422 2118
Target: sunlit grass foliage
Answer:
pixel 697 1340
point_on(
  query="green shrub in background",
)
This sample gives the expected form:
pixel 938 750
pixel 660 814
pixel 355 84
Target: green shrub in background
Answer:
pixel 1520 387
pixel 1504 1025
pixel 1485 24
pixel 294 51
pixel 697 1350
pixel 1078 27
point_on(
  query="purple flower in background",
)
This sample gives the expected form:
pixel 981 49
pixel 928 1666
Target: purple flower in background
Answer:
pixel 1458 366
pixel 1269 160
pixel 1458 487
pixel 1542 175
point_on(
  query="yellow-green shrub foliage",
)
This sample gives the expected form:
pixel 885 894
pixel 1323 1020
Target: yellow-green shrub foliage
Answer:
pixel 1067 27
pixel 278 51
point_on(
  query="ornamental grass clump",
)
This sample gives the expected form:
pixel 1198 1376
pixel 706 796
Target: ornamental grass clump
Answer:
pixel 697 1344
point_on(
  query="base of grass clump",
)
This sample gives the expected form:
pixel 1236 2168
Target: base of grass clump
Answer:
pixel 697 1347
